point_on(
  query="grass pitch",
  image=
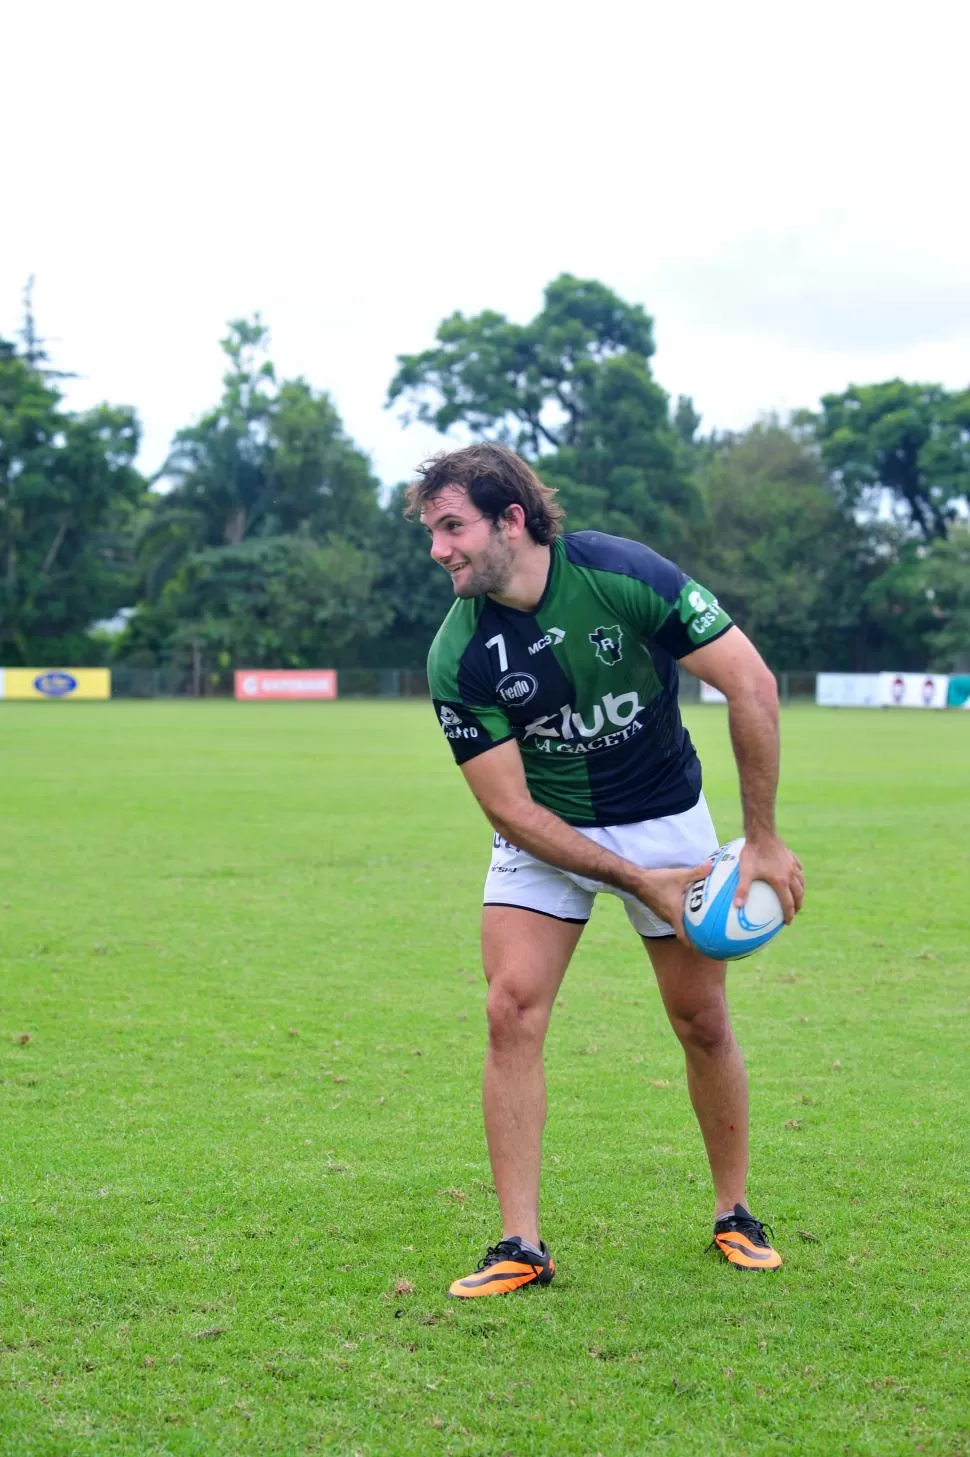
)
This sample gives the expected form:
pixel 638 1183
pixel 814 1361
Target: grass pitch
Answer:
pixel 241 1026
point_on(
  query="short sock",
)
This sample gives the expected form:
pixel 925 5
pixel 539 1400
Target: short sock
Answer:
pixel 730 1213
pixel 525 1244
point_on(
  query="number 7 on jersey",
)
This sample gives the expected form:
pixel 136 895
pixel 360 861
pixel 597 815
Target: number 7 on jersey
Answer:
pixel 498 641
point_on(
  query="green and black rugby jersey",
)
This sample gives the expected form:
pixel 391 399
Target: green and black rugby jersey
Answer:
pixel 586 682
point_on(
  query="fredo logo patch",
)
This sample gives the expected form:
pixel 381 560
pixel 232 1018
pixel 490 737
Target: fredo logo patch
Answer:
pixel 516 688
pixel 608 642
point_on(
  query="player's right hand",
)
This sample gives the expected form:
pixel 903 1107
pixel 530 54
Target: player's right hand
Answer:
pixel 663 891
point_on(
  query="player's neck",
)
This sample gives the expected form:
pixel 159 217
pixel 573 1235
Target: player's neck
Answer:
pixel 529 578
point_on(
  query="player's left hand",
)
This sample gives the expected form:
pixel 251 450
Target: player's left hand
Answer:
pixel 769 858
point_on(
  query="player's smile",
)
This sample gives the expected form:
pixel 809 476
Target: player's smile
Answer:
pixel 457 571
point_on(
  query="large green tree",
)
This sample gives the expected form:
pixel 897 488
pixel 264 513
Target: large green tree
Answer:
pixel 415 588
pixel 573 391
pixel 527 383
pixel 68 488
pixel 911 441
pixel 922 600
pixel 259 552
pixel 787 557
pixel 271 458
pixel 275 602
pixel 629 472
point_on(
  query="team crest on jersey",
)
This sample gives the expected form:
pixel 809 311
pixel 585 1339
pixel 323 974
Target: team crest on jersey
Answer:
pixel 608 642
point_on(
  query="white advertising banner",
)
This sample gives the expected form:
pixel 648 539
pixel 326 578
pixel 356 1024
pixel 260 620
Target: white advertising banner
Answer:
pixel 711 695
pixel 913 690
pixel 847 690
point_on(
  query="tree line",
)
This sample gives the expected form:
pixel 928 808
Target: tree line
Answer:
pixel 837 538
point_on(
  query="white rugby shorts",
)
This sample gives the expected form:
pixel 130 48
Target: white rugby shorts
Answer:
pixel 516 878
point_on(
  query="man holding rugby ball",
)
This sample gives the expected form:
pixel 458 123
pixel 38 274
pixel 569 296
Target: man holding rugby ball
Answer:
pixel 554 679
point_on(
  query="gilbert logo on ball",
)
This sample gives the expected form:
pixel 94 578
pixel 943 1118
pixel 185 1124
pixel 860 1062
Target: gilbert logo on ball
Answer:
pixel 719 928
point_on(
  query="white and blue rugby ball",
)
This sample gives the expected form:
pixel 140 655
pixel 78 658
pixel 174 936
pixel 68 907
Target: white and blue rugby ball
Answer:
pixel 719 928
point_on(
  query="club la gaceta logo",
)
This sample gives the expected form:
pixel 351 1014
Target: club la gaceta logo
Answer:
pixel 574 735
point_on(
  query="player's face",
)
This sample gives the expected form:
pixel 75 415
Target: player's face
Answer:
pixel 472 549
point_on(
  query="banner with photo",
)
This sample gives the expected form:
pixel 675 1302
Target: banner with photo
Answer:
pixel 913 690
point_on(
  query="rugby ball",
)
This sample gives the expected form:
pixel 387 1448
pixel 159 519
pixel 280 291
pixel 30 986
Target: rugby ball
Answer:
pixel 719 928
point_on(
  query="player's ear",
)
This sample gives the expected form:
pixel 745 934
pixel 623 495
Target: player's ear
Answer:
pixel 514 517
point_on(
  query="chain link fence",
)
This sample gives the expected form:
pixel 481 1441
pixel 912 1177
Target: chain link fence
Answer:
pixel 186 679
pixel 793 687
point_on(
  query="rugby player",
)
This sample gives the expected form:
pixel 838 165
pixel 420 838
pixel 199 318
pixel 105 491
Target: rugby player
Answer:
pixel 554 678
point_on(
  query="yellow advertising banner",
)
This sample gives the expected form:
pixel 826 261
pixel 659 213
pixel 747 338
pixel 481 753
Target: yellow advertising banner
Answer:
pixel 56 684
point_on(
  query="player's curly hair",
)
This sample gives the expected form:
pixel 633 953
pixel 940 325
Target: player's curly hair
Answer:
pixel 495 479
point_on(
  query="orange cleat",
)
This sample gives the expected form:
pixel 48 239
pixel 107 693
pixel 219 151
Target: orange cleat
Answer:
pixel 506 1266
pixel 743 1241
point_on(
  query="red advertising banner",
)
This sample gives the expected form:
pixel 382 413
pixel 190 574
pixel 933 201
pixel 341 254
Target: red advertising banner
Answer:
pixel 286 683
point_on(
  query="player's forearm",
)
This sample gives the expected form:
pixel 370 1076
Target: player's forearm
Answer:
pixel 753 719
pixel 545 835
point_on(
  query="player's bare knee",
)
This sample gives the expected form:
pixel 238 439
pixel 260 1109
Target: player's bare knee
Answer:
pixel 705 1028
pixel 514 1016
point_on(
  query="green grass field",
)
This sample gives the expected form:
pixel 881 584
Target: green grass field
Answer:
pixel 241 1026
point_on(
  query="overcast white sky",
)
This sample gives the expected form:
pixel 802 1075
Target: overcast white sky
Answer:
pixel 783 186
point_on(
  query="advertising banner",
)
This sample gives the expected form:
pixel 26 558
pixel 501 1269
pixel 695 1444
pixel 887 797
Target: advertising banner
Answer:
pixel 57 685
pixel 913 690
pixel 288 683
pixel 958 692
pixel 847 690
pixel 711 695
